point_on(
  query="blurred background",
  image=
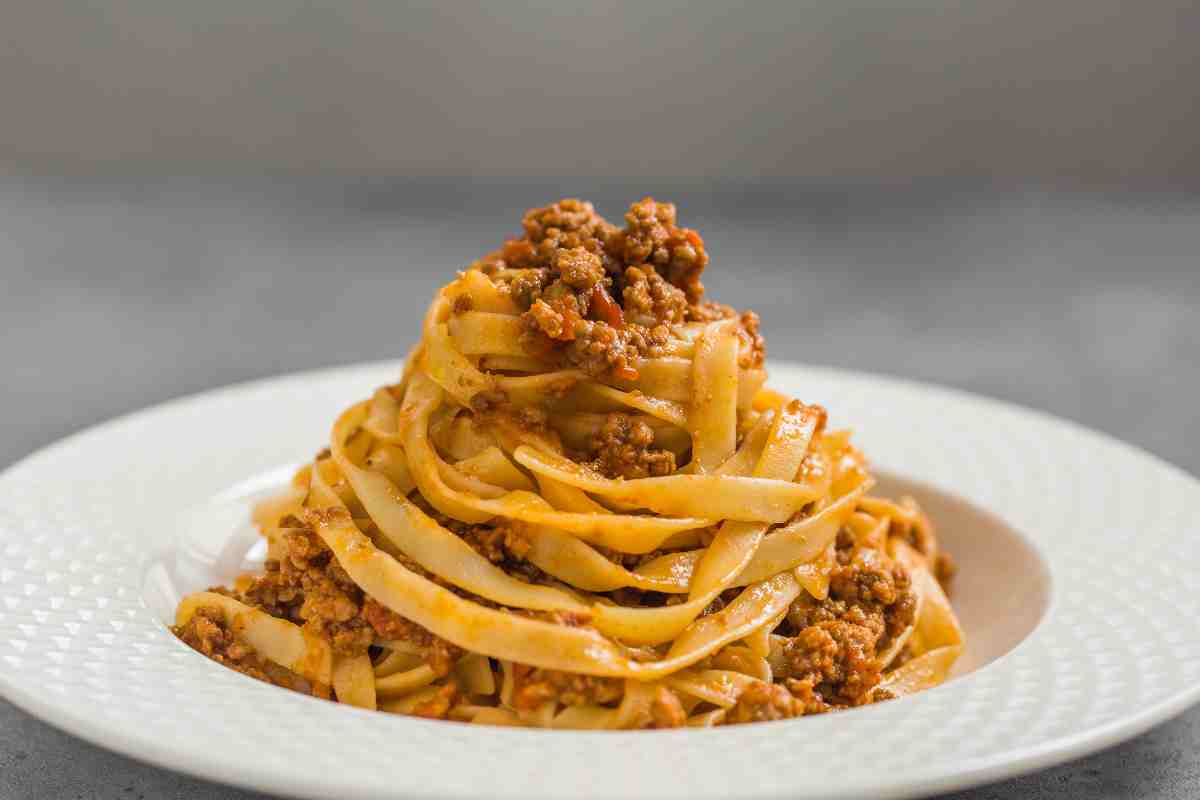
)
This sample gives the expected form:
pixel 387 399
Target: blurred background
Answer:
pixel 1000 196
pixel 1096 92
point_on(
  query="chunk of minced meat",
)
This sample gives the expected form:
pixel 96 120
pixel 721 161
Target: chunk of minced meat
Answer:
pixel 208 634
pixel 650 300
pixel 533 686
pixel 835 652
pixel 439 706
pixel 309 587
pixel 624 447
pixel 558 322
pixel 599 299
pixel 579 268
pixel 498 543
pixel 753 350
pixel 559 332
pixel 440 654
pixel 599 348
pixel 564 225
pixel 763 702
pixel 503 542
pixel 585 303
pixel 651 237
pixel 839 655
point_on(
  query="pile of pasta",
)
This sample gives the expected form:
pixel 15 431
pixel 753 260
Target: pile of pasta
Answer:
pixel 756 507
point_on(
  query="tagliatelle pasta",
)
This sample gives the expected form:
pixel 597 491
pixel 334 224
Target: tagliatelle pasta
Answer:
pixel 579 507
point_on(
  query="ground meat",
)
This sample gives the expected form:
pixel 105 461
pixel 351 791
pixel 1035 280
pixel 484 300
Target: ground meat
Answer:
pixel 498 543
pixel 331 600
pixel 309 587
pixel 838 657
pixel 623 447
pixel 503 542
pixel 865 578
pixel 533 686
pixel 838 640
pixel 391 626
pixel 762 702
pixel 871 582
pixel 710 312
pixel 566 270
pixel 807 612
pixel 921 536
pixel 526 288
pixel 579 268
pixel 652 238
pixel 899 616
pixel 275 592
pixel 207 633
pixel 806 695
pixel 753 351
pixel 438 706
pixel 598 348
pixel 650 300
pixel 544 319
pixel 440 654
pixel 567 224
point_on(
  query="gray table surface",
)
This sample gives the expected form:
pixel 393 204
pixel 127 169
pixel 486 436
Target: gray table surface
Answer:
pixel 117 294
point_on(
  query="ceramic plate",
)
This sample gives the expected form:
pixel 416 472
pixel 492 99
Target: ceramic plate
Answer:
pixel 1078 591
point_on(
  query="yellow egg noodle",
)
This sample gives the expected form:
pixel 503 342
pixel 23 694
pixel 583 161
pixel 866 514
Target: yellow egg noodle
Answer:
pixel 453 553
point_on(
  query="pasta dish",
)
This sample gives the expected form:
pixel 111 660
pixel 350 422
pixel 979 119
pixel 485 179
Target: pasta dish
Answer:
pixel 580 507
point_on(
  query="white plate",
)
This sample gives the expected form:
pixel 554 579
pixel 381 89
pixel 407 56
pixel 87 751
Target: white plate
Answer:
pixel 1078 591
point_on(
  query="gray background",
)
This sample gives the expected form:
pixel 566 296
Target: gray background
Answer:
pixel 1070 90
pixel 122 293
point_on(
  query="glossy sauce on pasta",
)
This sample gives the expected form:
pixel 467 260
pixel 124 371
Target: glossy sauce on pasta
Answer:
pixel 580 507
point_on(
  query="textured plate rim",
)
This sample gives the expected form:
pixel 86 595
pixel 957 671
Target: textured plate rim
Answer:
pixel 969 771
